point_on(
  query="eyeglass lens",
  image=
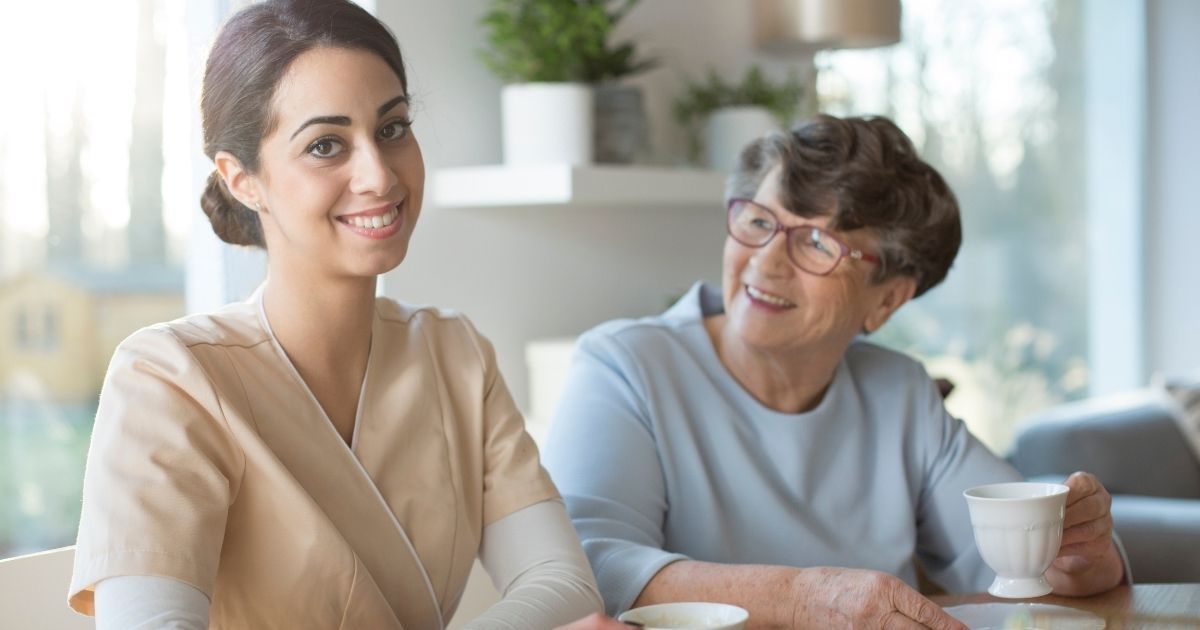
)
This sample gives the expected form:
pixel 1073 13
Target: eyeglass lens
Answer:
pixel 810 248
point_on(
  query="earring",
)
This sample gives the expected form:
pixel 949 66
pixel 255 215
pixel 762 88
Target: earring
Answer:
pixel 257 207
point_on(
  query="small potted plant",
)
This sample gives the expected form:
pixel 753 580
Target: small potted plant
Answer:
pixel 734 114
pixel 621 127
pixel 550 53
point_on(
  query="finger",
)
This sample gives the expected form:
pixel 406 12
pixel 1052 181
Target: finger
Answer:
pixel 927 614
pixel 1080 485
pixel 1089 508
pixel 1100 528
pixel 1090 549
pixel 895 620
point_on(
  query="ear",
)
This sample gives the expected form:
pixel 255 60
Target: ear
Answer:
pixel 238 180
pixel 891 295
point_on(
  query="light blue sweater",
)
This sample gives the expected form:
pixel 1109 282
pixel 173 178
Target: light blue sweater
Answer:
pixel 661 455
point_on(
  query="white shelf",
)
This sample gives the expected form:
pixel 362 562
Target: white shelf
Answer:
pixel 581 186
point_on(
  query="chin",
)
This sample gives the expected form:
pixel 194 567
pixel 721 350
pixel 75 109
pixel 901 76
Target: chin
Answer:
pixel 378 264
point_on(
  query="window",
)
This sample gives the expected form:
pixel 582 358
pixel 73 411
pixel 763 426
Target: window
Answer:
pixel 95 199
pixel 991 92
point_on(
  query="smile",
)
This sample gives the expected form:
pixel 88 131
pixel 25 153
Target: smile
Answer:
pixel 371 222
pixel 768 298
pixel 376 223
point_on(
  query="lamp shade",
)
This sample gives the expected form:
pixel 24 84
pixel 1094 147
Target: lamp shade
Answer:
pixel 808 25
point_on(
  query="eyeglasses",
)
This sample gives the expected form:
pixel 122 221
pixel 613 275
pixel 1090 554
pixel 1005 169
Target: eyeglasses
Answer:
pixel 812 249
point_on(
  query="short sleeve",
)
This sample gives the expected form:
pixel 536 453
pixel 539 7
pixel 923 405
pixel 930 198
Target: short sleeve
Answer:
pixel 162 471
pixel 513 477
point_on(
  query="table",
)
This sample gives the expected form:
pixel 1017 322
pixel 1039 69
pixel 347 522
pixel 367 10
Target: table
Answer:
pixel 1153 606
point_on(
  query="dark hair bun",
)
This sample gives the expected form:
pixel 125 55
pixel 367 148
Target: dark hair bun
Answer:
pixel 233 222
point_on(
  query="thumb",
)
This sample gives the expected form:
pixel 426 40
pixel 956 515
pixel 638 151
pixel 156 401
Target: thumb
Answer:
pixel 916 607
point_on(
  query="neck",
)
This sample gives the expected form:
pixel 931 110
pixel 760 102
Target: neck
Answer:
pixel 788 380
pixel 324 321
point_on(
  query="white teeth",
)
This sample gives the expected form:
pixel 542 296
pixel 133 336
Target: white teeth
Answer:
pixel 375 222
pixel 767 297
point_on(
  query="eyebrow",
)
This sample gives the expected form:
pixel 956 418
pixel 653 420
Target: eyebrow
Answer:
pixel 344 121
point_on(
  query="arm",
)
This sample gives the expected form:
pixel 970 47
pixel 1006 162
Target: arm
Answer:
pixel 145 602
pixel 602 454
pixel 535 561
pixel 162 470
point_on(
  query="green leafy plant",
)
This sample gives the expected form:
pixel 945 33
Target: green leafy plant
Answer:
pixel 558 41
pixel 701 98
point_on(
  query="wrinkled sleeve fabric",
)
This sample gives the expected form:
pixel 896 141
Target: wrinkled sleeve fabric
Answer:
pixel 602 454
pixel 952 460
pixel 537 565
pixel 162 471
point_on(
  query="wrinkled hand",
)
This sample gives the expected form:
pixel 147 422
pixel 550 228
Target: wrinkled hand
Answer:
pixel 1087 561
pixel 852 598
pixel 595 621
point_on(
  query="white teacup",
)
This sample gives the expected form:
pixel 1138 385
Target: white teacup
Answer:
pixel 1018 529
pixel 698 615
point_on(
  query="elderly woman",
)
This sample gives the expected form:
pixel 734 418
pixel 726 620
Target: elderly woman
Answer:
pixel 768 456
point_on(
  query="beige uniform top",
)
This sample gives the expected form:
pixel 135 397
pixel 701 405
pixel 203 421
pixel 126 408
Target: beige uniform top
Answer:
pixel 211 462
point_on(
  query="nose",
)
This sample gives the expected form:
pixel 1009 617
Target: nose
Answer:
pixel 372 175
pixel 772 259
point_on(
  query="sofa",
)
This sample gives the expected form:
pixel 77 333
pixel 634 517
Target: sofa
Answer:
pixel 1135 445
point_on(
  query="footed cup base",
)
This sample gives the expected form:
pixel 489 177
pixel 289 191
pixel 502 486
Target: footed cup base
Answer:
pixel 1020 588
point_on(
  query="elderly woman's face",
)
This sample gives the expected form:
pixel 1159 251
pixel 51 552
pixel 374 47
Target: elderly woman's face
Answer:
pixel 341 173
pixel 773 305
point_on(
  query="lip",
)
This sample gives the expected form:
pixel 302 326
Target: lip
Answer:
pixel 381 233
pixel 767 306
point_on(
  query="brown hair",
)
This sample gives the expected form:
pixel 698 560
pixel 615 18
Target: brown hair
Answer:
pixel 248 58
pixel 863 172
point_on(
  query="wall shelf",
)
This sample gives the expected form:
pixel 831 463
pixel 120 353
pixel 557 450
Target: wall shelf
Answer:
pixel 563 185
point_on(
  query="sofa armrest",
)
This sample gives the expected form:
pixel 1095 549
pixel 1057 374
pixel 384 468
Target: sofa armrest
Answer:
pixel 1131 442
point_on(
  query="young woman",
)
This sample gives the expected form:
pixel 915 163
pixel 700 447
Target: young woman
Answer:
pixel 316 456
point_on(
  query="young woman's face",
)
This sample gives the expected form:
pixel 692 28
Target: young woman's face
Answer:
pixel 341 176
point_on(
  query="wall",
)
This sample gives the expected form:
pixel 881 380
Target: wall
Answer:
pixel 1173 200
pixel 524 274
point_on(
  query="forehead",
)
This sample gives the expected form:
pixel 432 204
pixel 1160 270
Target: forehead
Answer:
pixel 328 81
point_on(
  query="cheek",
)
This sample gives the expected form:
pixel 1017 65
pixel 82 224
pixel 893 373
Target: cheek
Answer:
pixel 733 261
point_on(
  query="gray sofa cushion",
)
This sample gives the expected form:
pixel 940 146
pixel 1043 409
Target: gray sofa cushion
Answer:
pixel 1130 442
pixel 1161 537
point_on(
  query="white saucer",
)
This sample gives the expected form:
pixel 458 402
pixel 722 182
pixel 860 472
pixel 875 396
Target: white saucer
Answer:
pixel 1023 616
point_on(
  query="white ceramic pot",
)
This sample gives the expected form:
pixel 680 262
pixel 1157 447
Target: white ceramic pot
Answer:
pixel 730 129
pixel 547 123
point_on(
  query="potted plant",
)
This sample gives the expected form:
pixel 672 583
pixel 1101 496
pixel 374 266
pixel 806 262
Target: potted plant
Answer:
pixel 550 53
pixel 733 114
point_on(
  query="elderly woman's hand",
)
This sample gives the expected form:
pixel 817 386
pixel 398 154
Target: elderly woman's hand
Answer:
pixel 1088 561
pixel 830 597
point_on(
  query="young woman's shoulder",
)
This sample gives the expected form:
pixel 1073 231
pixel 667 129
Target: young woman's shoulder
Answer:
pixel 232 325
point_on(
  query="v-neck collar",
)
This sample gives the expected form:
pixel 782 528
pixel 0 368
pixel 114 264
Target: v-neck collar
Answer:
pixel 283 356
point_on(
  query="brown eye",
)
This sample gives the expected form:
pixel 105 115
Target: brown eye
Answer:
pixel 325 148
pixel 395 130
